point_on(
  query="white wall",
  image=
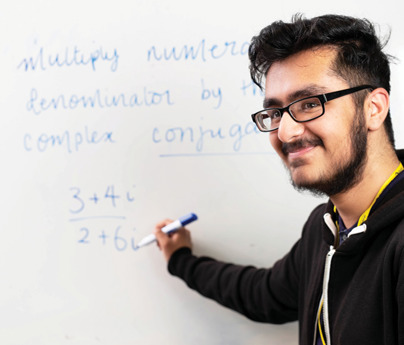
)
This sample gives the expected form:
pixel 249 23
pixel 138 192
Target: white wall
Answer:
pixel 62 162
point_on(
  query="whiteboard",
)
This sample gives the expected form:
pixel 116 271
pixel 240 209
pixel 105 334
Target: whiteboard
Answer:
pixel 115 115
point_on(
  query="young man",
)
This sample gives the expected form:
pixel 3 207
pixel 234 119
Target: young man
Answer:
pixel 327 114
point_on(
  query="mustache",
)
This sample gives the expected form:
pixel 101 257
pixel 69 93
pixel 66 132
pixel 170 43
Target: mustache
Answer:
pixel 301 144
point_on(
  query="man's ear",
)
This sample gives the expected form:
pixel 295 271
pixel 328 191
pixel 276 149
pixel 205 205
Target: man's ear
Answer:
pixel 378 102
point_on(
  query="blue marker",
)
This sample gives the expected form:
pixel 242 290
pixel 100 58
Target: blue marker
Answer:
pixel 168 229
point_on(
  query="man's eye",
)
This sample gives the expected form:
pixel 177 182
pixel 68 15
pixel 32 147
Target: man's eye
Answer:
pixel 274 114
pixel 308 105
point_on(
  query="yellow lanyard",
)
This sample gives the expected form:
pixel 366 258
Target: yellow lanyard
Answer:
pixel 362 219
pixel 365 214
pixel 319 324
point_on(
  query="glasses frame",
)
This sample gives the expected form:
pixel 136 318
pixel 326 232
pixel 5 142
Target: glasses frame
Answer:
pixel 323 98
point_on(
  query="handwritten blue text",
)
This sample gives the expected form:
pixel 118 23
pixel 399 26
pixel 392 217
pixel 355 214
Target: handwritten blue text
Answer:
pixel 98 99
pixel 43 60
pixel 199 135
pixel 202 51
pixel 69 141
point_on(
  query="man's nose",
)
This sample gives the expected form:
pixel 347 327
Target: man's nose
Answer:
pixel 289 129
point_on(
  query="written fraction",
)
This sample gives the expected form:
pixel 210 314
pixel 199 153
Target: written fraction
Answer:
pixel 97 218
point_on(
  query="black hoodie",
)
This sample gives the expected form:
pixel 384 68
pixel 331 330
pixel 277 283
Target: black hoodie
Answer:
pixel 364 278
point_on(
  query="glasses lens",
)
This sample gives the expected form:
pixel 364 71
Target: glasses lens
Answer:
pixel 307 109
pixel 268 119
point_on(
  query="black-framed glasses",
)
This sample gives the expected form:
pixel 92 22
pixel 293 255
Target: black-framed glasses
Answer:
pixel 302 110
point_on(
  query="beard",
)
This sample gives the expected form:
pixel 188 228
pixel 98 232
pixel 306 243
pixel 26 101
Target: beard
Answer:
pixel 346 173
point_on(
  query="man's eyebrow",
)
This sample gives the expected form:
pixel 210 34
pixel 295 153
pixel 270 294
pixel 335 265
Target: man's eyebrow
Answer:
pixel 310 90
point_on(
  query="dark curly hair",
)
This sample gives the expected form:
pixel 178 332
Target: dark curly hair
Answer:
pixel 359 60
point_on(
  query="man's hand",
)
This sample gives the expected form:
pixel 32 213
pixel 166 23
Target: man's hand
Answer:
pixel 168 244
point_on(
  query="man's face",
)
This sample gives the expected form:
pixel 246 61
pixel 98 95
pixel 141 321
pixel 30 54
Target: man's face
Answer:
pixel 325 155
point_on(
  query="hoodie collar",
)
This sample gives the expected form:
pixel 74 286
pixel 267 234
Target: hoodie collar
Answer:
pixel 387 208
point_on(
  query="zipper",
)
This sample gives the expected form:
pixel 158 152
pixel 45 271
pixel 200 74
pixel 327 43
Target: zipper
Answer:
pixel 324 300
pixel 327 270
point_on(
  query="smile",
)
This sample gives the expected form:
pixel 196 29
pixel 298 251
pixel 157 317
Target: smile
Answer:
pixel 299 148
pixel 292 154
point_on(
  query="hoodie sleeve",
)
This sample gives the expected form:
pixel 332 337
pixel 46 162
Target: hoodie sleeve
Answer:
pixel 264 295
